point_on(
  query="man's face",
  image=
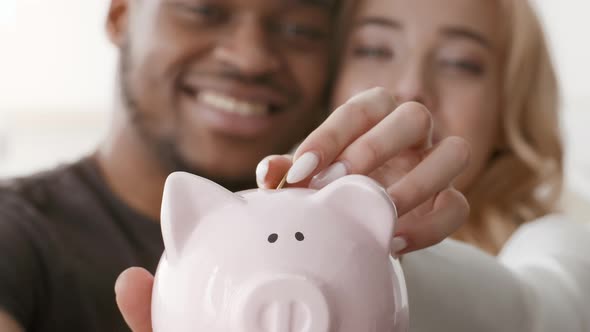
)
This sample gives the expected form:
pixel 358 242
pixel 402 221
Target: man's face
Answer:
pixel 213 86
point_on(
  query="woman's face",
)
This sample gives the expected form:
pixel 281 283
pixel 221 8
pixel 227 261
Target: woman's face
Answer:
pixel 444 54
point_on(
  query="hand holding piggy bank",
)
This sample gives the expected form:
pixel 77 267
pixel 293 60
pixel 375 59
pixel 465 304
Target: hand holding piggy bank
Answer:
pixel 291 260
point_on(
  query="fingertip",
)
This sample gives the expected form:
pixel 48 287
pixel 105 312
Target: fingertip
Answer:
pixel 453 197
pixel 261 172
pixel 276 168
pixel 130 277
pixel 133 289
pixel 398 245
pixel 329 175
pixel 463 150
pixel 303 167
pixel 449 212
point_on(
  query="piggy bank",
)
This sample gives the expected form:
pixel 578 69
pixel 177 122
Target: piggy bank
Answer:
pixel 289 260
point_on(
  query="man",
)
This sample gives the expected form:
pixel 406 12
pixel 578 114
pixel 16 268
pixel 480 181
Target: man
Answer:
pixel 209 87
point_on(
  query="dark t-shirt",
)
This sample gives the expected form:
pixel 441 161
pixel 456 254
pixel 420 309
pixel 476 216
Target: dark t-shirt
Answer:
pixel 64 239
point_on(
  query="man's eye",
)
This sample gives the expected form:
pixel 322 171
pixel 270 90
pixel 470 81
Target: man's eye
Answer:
pixel 373 52
pixel 205 13
pixel 209 12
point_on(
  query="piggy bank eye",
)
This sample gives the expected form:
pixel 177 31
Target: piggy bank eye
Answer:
pixel 299 236
pixel 273 238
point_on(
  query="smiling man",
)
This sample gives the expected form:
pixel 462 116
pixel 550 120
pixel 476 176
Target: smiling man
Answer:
pixel 209 87
pixel 212 87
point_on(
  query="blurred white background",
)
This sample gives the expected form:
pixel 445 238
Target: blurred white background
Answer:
pixel 56 81
pixel 57 74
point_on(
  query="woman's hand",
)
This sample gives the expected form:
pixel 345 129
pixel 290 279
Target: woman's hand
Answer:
pixel 373 136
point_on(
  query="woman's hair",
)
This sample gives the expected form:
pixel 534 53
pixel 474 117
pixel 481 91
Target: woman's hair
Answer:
pixel 523 178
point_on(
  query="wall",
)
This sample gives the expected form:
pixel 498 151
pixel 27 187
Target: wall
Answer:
pixel 55 56
pixel 56 81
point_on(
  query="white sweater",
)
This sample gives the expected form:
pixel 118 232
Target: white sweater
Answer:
pixel 540 282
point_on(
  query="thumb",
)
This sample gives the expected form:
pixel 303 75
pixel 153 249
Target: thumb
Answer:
pixel 133 291
pixel 270 170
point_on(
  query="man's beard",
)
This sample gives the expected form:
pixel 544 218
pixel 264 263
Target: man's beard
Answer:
pixel 163 148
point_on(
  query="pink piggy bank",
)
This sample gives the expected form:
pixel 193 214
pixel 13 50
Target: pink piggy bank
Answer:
pixel 290 260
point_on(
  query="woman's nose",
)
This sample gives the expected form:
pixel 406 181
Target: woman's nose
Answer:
pixel 413 84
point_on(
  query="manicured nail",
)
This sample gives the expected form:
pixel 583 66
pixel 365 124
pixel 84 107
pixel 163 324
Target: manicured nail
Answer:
pixel 303 167
pixel 325 177
pixel 261 171
pixel 398 244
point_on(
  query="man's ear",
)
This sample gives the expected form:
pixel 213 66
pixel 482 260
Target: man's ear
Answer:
pixel 117 21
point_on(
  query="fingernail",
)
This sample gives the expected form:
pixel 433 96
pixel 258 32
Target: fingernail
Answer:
pixel 398 244
pixel 325 177
pixel 261 171
pixel 303 167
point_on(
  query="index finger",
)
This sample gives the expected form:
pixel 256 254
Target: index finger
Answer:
pixel 346 124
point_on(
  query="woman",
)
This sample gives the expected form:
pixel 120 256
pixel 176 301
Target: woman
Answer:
pixel 482 68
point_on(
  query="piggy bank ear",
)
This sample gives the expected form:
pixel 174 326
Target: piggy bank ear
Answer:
pixel 187 199
pixel 366 202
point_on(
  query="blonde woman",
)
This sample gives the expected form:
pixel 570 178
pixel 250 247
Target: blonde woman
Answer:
pixel 483 70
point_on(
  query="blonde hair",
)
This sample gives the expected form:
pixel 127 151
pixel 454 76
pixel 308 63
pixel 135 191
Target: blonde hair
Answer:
pixel 523 179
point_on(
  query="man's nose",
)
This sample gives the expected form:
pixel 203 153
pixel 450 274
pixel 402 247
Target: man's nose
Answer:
pixel 247 48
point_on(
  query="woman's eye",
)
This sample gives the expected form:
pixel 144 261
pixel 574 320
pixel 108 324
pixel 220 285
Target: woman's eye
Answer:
pixel 468 67
pixel 373 52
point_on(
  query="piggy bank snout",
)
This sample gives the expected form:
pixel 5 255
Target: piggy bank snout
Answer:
pixel 283 304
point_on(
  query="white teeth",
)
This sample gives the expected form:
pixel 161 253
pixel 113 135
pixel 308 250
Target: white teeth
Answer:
pixel 231 104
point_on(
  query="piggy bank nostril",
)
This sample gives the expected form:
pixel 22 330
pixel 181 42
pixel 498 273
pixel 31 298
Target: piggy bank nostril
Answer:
pixel 299 236
pixel 273 238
